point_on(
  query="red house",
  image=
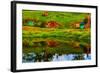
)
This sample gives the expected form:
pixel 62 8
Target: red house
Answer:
pixel 52 24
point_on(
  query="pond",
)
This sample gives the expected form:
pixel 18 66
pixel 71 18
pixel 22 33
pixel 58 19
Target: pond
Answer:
pixel 51 49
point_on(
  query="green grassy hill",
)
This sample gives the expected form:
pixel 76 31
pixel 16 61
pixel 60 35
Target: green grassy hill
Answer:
pixel 65 19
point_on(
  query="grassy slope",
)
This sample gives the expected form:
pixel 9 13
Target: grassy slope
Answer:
pixel 63 18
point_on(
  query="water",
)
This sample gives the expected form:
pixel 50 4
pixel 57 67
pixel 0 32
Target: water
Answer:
pixel 56 57
pixel 47 50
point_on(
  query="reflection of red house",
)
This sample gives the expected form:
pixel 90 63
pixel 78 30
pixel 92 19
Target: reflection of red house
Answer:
pixel 52 24
pixel 51 43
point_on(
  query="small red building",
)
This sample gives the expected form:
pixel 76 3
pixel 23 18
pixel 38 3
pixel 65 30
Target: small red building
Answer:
pixel 52 24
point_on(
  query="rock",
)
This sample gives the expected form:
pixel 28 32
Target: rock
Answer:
pixel 45 13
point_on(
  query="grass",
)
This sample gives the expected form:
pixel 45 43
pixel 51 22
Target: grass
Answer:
pixel 63 18
pixel 68 34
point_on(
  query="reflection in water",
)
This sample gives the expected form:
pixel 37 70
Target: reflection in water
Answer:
pixel 31 57
pixel 54 50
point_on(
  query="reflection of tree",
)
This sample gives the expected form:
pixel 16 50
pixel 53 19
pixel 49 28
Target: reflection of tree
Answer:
pixel 86 49
pixel 29 57
pixel 38 57
pixel 47 56
pixel 43 57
